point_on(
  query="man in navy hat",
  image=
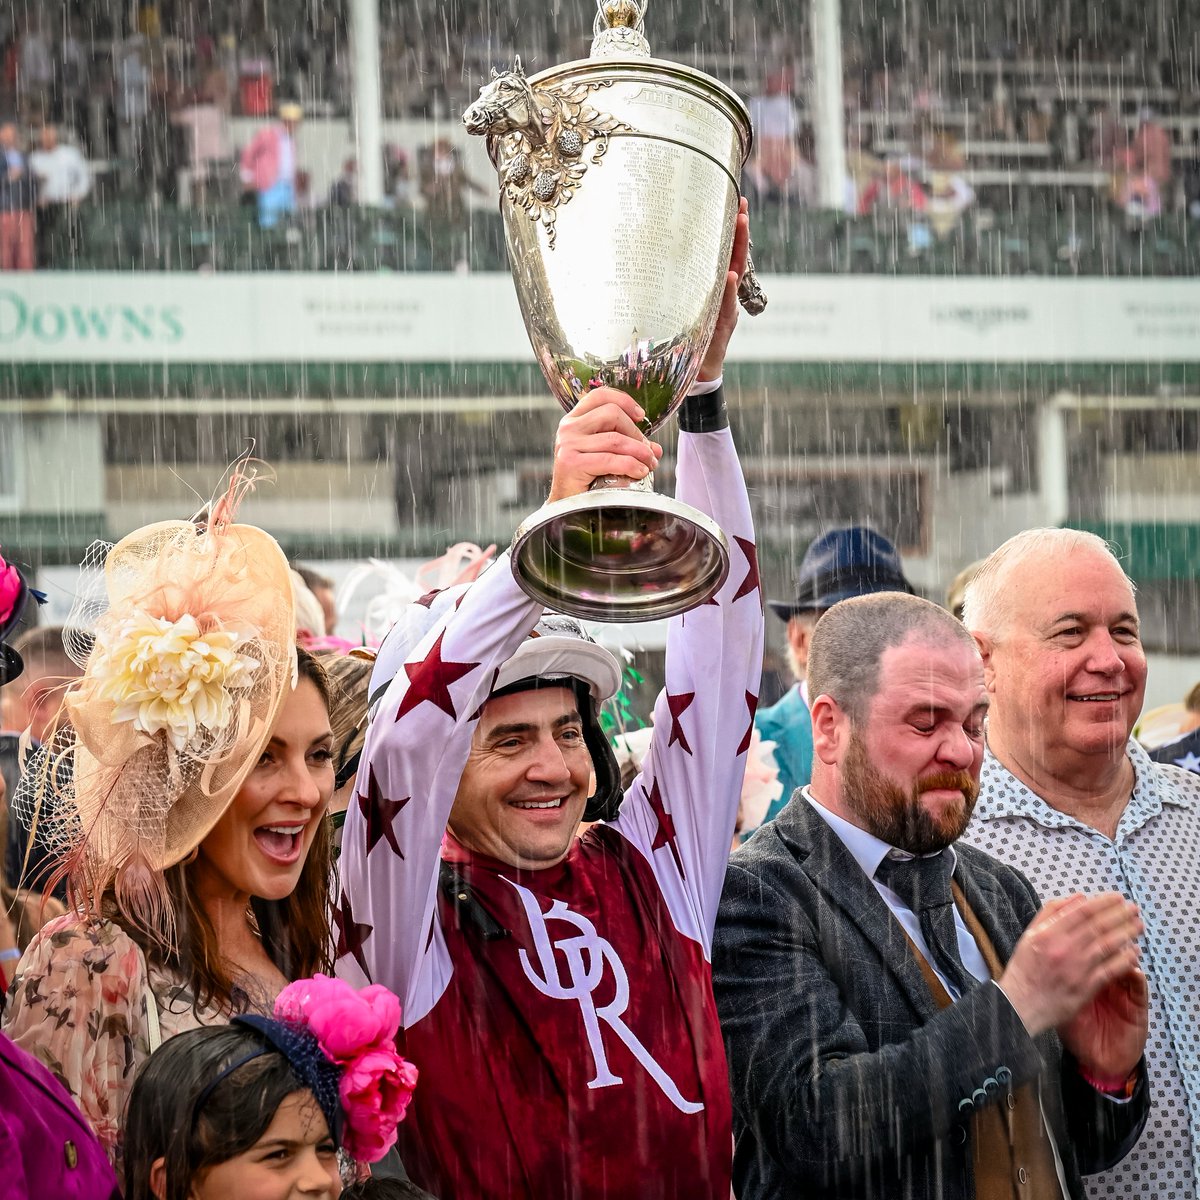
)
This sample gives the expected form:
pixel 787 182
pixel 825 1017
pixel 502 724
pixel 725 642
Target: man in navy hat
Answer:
pixel 838 565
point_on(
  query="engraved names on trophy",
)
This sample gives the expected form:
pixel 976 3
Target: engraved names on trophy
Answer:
pixel 699 122
pixel 674 206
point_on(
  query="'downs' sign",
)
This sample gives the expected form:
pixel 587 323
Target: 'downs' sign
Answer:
pixel 152 318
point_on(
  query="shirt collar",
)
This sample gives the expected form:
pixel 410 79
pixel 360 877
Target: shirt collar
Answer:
pixel 1002 794
pixel 865 848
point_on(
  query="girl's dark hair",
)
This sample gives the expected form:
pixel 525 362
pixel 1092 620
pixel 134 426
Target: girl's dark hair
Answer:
pixel 377 1188
pixel 294 930
pixel 162 1121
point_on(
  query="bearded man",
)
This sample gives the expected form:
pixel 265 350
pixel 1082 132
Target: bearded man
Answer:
pixel 900 1018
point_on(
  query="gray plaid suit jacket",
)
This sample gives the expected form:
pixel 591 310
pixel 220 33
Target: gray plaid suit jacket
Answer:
pixel 847 1079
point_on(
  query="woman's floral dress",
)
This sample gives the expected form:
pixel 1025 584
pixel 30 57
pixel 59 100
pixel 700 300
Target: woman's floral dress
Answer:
pixel 78 1004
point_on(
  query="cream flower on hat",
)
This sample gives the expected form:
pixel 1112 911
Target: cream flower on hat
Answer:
pixel 171 676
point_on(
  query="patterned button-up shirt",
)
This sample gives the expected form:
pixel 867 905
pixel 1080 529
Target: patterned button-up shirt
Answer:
pixel 1154 861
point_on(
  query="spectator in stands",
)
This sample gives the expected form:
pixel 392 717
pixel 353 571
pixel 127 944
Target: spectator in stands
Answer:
pixel 774 165
pixel 894 188
pixel 445 182
pixel 269 166
pixel 203 119
pixel 950 195
pixel 343 192
pixel 63 180
pixel 18 198
pixel 1068 798
pixel 1152 152
pixel 1134 191
pixel 945 152
pixel 399 183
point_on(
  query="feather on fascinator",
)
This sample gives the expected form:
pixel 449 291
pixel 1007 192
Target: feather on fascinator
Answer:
pixel 194 654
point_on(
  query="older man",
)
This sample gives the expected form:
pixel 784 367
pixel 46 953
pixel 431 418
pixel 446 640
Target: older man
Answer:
pixel 1071 801
pixel 895 1007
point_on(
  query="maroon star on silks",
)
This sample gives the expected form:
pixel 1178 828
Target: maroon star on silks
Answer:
pixel 350 934
pixel 752 705
pixel 666 826
pixel 426 601
pixel 751 582
pixel 678 706
pixel 430 680
pixel 380 814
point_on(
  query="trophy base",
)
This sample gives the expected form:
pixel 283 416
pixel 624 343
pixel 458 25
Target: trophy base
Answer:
pixel 620 554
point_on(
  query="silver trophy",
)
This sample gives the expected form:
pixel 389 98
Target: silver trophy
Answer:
pixel 619 185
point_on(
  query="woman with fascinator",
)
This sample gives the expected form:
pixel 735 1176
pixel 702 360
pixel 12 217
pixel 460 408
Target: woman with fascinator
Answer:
pixel 187 805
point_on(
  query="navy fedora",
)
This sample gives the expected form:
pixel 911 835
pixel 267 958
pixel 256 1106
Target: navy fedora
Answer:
pixel 841 564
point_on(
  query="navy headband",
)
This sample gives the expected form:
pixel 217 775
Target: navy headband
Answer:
pixel 306 1059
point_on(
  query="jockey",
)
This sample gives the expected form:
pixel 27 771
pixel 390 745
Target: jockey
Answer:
pixel 556 988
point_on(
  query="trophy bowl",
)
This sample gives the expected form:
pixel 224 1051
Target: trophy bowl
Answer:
pixel 619 189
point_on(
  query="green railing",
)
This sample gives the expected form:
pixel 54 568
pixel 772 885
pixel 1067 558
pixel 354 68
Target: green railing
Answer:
pixel 1081 239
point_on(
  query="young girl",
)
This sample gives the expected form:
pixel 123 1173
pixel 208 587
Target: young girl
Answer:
pixel 258 1110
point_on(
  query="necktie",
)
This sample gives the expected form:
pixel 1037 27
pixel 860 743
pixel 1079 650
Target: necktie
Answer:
pixel 924 885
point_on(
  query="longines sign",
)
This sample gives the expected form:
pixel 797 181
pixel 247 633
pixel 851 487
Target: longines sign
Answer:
pixel 165 318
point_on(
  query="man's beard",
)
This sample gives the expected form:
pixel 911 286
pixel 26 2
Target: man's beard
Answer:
pixel 897 816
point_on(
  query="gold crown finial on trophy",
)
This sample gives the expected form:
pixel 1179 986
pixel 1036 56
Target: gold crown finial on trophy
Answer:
pixel 621 12
pixel 619 29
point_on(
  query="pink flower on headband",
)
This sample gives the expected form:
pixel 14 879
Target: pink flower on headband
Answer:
pixel 10 589
pixel 357 1030
pixel 376 1089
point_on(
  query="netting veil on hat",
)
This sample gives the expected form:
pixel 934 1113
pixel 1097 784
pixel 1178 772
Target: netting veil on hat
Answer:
pixel 194 653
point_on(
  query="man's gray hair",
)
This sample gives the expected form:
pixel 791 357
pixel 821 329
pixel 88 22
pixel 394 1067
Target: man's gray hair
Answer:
pixel 850 640
pixel 986 605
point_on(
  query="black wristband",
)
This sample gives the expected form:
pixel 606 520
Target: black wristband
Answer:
pixel 704 414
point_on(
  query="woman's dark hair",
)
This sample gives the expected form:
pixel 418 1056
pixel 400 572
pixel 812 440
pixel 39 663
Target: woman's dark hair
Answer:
pixel 294 930
pixel 162 1120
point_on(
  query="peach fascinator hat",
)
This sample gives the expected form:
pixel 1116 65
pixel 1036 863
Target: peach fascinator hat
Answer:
pixel 192 658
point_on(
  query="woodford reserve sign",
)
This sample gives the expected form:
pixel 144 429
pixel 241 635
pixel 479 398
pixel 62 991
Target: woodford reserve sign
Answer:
pixel 445 318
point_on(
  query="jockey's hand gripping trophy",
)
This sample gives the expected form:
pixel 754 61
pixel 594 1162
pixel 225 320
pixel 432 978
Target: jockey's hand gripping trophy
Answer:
pixel 619 185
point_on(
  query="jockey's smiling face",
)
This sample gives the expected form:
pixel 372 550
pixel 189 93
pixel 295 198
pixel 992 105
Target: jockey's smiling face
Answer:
pixel 527 779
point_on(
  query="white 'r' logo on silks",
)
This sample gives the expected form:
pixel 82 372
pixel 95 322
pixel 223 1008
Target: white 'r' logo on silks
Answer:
pixel 586 956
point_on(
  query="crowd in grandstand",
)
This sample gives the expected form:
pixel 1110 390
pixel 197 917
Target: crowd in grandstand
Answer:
pixel 176 108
